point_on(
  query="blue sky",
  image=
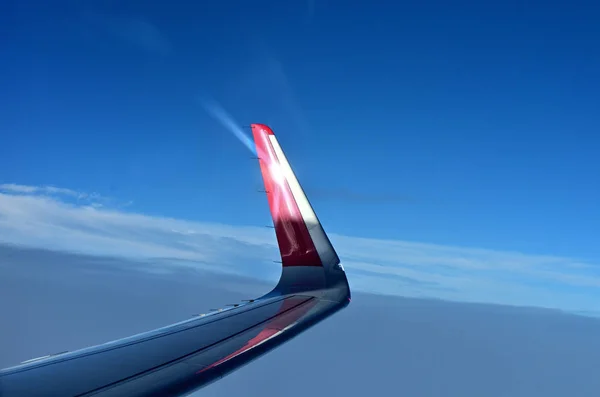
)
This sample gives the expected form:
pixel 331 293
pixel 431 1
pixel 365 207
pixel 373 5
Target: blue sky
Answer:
pixel 451 146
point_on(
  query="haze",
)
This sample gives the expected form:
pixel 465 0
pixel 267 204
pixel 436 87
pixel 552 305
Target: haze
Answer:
pixel 380 345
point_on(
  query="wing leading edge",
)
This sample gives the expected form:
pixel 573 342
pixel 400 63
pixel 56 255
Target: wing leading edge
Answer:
pixel 183 357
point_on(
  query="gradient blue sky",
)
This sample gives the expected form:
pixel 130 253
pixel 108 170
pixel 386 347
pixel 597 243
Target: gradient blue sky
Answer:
pixel 451 149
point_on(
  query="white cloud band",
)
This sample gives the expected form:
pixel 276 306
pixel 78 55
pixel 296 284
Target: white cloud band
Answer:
pixel 43 217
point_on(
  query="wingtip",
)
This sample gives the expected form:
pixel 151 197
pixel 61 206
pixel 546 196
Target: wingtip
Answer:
pixel 264 127
pixel 309 261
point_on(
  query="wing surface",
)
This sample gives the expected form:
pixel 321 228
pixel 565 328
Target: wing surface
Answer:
pixel 183 357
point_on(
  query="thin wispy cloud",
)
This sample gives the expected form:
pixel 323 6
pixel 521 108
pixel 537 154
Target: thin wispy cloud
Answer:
pixel 83 198
pixel 265 80
pixel 310 6
pixel 374 265
pixel 26 189
pixel 137 31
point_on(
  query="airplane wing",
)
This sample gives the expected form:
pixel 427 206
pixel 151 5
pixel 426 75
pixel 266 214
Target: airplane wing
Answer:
pixel 183 357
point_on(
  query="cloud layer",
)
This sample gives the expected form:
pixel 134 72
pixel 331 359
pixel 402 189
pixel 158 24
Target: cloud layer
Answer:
pixel 67 220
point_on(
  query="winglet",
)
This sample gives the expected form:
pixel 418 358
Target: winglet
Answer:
pixel 300 236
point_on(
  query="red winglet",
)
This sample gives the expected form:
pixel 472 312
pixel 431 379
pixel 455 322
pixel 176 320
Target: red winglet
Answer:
pixel 295 243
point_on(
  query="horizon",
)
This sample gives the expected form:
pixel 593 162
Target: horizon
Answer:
pixel 432 347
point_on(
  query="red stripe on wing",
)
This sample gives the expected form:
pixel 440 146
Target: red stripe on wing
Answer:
pixel 272 328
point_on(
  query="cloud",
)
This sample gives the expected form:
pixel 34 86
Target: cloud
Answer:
pixel 91 199
pixel 265 80
pixel 134 30
pixel 14 188
pixel 142 33
pixel 44 217
pixel 310 6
